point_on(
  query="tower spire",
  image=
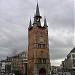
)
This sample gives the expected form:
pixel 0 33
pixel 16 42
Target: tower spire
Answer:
pixel 37 10
pixel 30 24
pixel 45 23
pixel 37 16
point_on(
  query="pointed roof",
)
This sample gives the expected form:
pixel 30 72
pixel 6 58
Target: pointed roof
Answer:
pixel 73 50
pixel 37 10
pixel 30 24
pixel 45 23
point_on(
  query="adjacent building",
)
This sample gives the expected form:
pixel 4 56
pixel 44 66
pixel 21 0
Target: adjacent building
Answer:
pixel 69 63
pixel 55 70
pixel 17 63
pixel 8 65
pixel 71 59
pixel 23 56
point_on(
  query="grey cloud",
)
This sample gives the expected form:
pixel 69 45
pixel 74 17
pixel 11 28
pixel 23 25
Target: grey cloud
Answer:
pixel 61 42
pixel 4 52
pixel 14 21
pixel 61 13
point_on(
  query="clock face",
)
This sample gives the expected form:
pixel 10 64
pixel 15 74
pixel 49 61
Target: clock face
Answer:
pixel 41 39
pixel 37 19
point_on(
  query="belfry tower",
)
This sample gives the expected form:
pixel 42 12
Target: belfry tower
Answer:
pixel 38 47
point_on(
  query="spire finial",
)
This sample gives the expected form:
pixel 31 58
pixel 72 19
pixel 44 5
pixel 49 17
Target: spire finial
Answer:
pixel 30 24
pixel 37 1
pixel 37 10
pixel 45 23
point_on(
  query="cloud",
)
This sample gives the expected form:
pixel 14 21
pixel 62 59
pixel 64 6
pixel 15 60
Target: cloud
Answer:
pixel 14 22
pixel 4 52
pixel 56 62
pixel 61 42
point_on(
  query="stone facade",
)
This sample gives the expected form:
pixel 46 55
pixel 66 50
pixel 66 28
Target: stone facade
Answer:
pixel 38 47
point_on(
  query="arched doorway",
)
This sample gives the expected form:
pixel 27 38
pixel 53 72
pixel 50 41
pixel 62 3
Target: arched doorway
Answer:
pixel 42 71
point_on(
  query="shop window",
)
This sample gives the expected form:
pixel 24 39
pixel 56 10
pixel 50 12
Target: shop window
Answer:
pixel 73 55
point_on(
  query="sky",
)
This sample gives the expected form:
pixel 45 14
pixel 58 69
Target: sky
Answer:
pixel 14 23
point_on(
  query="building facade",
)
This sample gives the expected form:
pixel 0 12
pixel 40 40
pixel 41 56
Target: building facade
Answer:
pixel 69 63
pixel 19 62
pixel 55 70
pixel 24 59
pixel 71 59
pixel 8 65
pixel 38 47
pixel 15 63
pixel 3 66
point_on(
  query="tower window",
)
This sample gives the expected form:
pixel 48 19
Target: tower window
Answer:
pixel 39 61
pixel 44 61
pixel 41 34
pixel 35 45
pixel 41 46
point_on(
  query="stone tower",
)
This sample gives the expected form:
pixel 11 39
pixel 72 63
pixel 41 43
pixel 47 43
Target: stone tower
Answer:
pixel 38 47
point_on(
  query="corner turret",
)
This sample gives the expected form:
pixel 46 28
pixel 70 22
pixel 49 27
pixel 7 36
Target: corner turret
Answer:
pixel 45 23
pixel 30 24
